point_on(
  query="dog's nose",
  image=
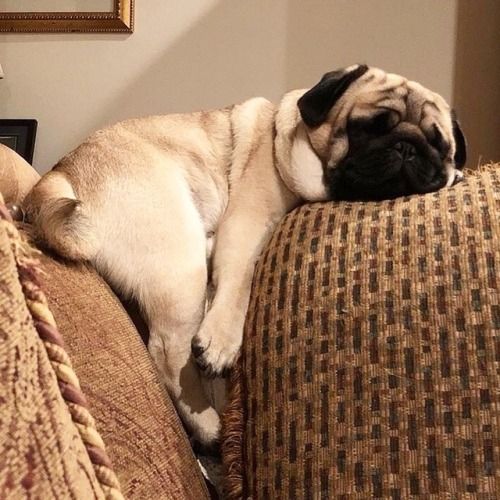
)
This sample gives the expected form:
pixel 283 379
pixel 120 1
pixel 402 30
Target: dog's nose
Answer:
pixel 405 149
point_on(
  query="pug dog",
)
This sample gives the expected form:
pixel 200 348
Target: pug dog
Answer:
pixel 166 207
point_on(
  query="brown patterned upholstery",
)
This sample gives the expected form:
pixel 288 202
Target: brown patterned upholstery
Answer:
pixel 42 454
pixel 143 434
pixel 371 358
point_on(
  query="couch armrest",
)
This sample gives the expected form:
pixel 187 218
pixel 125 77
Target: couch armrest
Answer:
pixel 45 451
pixel 143 434
pixel 369 367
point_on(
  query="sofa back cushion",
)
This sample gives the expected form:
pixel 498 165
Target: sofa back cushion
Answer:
pixel 17 176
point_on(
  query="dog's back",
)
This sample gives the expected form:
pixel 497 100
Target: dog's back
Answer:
pixel 114 162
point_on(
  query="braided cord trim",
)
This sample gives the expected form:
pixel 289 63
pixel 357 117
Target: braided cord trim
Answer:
pixel 67 379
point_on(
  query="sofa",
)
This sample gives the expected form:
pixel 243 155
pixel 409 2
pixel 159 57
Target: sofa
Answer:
pixel 370 366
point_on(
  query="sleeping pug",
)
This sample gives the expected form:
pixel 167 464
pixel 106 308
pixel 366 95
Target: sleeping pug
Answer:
pixel 165 205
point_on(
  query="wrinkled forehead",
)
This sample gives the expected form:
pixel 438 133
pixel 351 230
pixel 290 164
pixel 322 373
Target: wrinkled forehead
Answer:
pixel 377 89
pixel 425 108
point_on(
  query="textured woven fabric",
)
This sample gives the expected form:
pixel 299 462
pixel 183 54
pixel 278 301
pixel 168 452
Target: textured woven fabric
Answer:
pixel 144 437
pixel 17 176
pixel 41 452
pixel 370 366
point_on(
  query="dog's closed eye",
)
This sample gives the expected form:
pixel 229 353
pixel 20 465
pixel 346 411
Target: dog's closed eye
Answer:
pixel 377 125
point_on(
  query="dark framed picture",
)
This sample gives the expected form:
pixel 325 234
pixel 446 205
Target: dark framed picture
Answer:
pixel 19 135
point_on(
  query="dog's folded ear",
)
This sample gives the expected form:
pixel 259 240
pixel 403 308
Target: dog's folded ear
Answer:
pixel 317 102
pixel 460 142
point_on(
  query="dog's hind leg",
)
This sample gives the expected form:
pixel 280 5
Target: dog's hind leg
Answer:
pixel 161 260
pixel 174 314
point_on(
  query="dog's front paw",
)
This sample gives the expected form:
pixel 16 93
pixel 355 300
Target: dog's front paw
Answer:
pixel 214 350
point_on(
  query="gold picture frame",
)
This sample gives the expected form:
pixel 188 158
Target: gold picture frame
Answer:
pixel 120 20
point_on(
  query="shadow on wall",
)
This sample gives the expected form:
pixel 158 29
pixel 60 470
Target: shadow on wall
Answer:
pixel 477 78
pixel 239 50
pixel 414 39
pixel 235 51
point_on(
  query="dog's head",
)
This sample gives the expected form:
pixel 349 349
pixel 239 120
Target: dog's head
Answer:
pixel 380 135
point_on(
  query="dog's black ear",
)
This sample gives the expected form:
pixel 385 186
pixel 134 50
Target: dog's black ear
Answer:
pixel 317 102
pixel 460 142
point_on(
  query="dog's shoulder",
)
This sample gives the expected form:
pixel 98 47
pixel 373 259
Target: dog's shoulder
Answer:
pixel 251 116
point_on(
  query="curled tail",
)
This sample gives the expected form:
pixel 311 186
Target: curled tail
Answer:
pixel 58 218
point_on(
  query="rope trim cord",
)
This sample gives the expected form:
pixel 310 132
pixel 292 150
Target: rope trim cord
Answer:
pixel 69 384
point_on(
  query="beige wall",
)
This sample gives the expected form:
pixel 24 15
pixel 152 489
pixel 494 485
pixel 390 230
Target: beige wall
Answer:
pixel 207 53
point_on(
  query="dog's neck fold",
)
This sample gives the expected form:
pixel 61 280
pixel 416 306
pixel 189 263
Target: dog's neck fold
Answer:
pixel 299 166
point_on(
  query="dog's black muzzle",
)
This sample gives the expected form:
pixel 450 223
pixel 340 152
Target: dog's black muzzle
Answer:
pixel 387 170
